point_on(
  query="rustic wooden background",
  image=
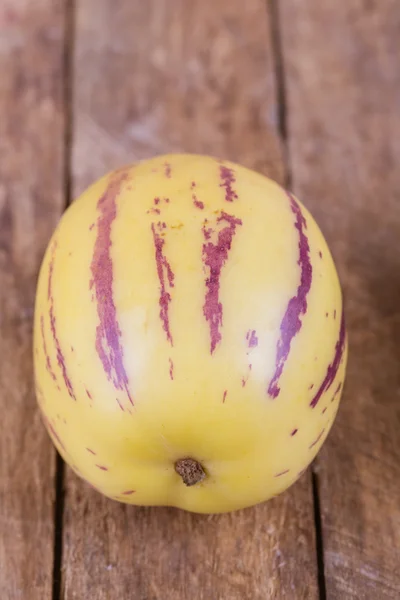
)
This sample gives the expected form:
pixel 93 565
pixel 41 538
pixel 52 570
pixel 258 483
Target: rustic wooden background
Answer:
pixel 307 91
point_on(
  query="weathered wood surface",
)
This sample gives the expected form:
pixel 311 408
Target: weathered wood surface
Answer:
pixel 31 200
pixel 343 103
pixel 151 77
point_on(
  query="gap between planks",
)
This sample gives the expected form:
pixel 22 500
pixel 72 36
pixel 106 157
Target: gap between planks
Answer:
pixel 280 80
pixel 58 527
pixel 68 82
pixel 318 535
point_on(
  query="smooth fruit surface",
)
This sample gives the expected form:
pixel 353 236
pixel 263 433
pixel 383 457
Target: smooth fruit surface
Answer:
pixel 188 308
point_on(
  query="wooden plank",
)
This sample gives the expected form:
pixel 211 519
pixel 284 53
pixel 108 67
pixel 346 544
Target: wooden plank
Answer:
pixel 31 200
pixel 343 89
pixel 152 77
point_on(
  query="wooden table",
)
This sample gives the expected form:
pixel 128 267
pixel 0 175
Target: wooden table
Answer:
pixel 307 91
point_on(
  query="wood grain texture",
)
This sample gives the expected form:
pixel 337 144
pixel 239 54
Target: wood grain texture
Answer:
pixel 170 75
pixel 31 200
pixel 152 77
pixel 343 85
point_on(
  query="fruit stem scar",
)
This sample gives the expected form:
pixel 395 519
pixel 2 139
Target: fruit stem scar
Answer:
pixel 190 470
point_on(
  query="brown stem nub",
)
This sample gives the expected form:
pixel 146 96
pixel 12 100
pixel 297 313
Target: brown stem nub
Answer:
pixel 190 470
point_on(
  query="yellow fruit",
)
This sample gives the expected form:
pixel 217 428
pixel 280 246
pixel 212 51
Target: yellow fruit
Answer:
pixel 188 328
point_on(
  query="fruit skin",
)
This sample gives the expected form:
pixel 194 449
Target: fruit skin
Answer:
pixel 188 308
